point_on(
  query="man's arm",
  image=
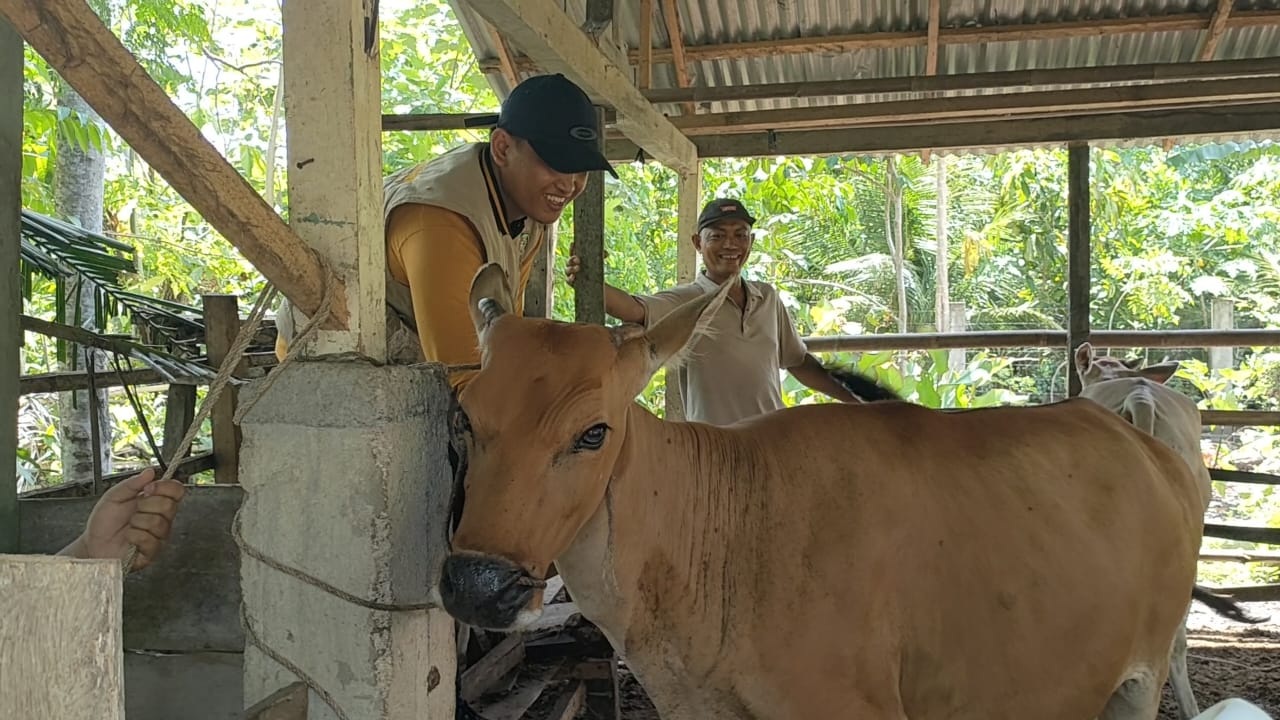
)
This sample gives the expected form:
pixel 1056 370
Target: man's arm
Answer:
pixel 812 375
pixel 618 303
pixel 138 511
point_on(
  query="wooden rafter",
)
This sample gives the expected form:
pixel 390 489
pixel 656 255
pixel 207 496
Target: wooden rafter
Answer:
pixel 898 137
pixel 1217 27
pixel 506 63
pixel 1185 22
pixel 557 44
pixel 931 51
pixel 645 74
pixel 671 17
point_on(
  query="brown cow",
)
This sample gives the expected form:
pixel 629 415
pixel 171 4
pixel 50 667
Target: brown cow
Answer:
pixel 824 561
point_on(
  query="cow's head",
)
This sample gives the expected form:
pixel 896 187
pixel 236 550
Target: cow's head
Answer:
pixel 546 417
pixel 1095 369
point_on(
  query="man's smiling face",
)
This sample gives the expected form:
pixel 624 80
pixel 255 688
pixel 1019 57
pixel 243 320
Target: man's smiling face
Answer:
pixel 725 246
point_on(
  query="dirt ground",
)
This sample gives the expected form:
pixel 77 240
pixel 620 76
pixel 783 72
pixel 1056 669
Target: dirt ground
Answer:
pixel 1225 659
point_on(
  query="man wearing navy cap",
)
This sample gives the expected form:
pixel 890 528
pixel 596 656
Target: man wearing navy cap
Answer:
pixel 733 372
pixel 480 202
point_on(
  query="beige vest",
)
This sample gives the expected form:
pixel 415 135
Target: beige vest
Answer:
pixel 453 181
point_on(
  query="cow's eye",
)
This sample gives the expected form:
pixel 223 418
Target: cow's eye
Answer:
pixel 592 439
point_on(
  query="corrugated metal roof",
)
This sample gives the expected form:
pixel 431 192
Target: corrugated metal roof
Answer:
pixel 707 22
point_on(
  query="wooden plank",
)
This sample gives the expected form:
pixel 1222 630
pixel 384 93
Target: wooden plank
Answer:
pixel 1252 593
pixel 1171 95
pixel 1217 26
pixel 221 323
pixel 190 465
pixel 644 73
pixel 10 279
pixel 1243 476
pixel 965 33
pixel 1054 338
pixel 332 71
pixel 528 688
pixel 555 43
pixel 288 703
pixel 1242 533
pixel 484 675
pixel 179 413
pixel 588 243
pixel 140 377
pixel 1079 223
pixel 505 63
pixel 450 121
pixel 568 705
pixel 1267 557
pixel 60 638
pixel 1239 418
pixel 985 133
pixel 965 82
pixel 932 35
pixel 603 701
pixel 65 32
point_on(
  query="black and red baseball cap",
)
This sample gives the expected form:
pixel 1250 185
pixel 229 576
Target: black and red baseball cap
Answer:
pixel 557 119
pixel 723 209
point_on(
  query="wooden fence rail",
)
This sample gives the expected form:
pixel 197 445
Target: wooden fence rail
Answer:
pixel 1042 339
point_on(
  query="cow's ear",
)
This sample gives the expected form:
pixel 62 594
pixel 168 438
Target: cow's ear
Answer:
pixel 490 298
pixel 1161 372
pixel 670 340
pixel 1084 357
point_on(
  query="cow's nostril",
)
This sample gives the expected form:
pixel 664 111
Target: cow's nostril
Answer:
pixel 485 591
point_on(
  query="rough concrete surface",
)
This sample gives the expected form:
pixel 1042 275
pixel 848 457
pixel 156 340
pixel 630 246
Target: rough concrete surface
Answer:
pixel 187 686
pixel 347 479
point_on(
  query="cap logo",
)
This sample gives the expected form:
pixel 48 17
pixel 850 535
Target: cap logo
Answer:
pixel 582 132
pixel 728 208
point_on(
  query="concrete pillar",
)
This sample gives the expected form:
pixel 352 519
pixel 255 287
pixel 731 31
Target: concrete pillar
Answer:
pixel 1222 317
pixel 347 479
pixel 956 322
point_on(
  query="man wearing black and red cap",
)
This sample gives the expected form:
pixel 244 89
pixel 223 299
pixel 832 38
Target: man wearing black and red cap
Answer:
pixel 733 373
pixel 478 203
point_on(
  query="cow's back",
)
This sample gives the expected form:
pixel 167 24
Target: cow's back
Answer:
pixel 1010 562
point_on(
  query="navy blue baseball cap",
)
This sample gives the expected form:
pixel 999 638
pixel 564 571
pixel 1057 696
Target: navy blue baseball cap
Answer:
pixel 557 119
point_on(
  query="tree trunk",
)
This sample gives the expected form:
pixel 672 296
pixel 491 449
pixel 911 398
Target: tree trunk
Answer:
pixel 893 236
pixel 78 189
pixel 943 301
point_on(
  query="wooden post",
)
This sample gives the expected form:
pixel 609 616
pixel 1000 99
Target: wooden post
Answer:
pixel 179 412
pixel 1222 317
pixel 221 323
pixel 10 296
pixel 1078 263
pixel 539 296
pixel 688 192
pixel 956 322
pixel 333 117
pixel 588 240
pixel 61 636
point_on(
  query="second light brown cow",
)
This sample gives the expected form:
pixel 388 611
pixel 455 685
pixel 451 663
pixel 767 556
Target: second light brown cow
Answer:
pixel 880 561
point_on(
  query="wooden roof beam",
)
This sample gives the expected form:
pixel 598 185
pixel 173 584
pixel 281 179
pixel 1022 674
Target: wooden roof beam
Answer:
pixel 65 32
pixel 1146 73
pixel 967 107
pixel 506 62
pixel 1213 120
pixel 834 44
pixel 671 17
pixel 556 44
pixel 931 51
pixel 1217 27
pixel 644 74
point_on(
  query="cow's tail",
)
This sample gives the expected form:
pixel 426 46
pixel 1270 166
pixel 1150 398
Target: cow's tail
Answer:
pixel 1226 607
pixel 861 386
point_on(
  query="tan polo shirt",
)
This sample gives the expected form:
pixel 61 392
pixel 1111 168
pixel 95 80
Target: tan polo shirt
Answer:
pixel 733 373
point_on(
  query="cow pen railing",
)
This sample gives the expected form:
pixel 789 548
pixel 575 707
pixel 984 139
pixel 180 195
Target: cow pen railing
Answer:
pixel 967 340
pixel 221 324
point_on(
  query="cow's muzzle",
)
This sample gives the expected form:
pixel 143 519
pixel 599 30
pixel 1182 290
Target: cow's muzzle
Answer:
pixel 485 591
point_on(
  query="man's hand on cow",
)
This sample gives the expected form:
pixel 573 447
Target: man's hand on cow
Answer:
pixel 138 511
